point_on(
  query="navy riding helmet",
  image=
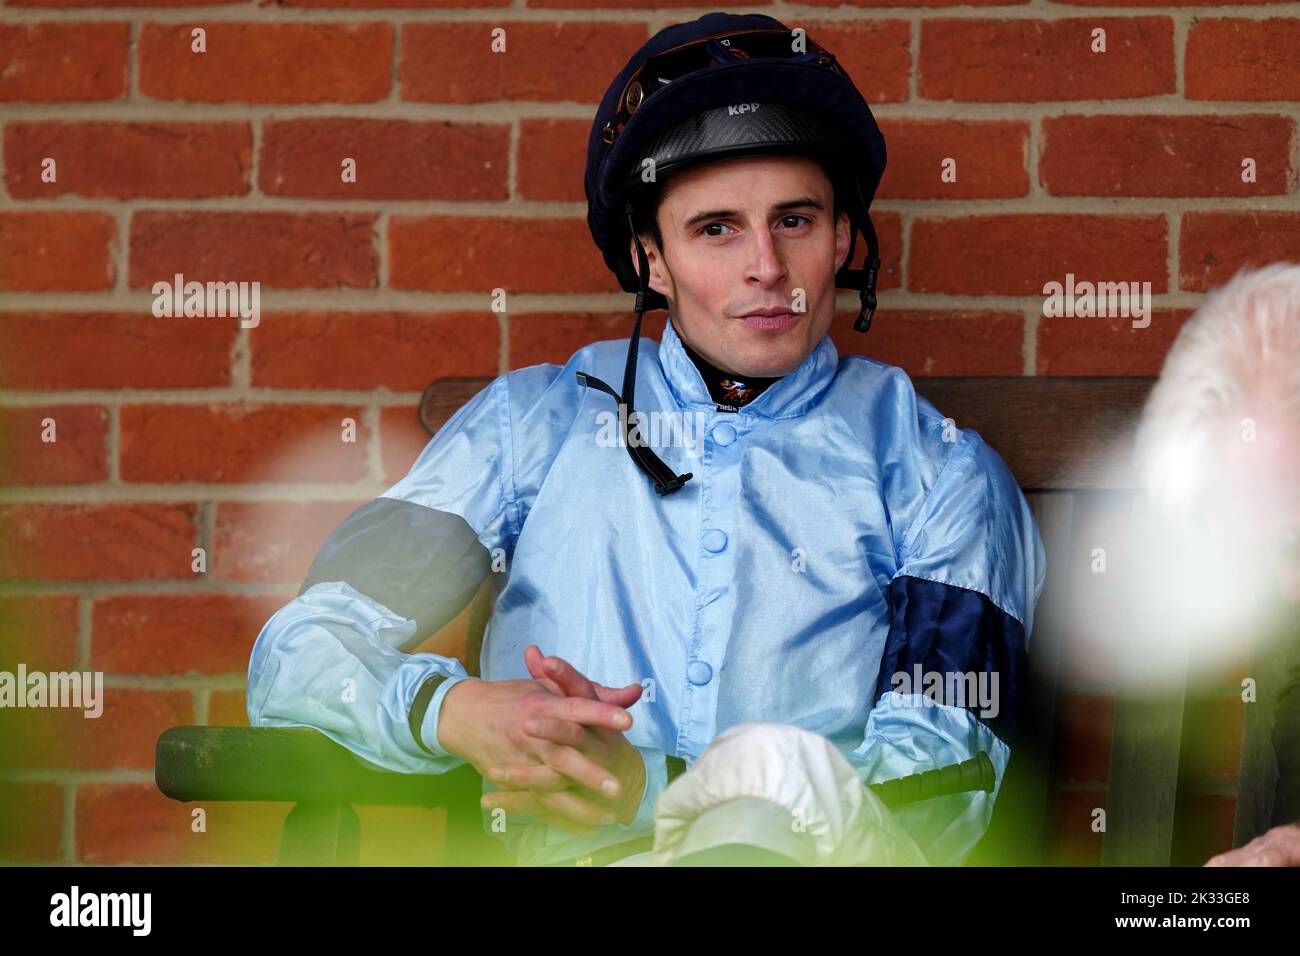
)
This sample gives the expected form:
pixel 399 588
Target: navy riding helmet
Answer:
pixel 721 87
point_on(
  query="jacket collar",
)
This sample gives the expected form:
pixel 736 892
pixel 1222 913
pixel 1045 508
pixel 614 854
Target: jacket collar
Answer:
pixel 788 397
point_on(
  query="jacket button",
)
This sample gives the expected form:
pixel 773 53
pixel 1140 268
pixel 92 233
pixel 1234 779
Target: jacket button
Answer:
pixel 714 540
pixel 724 434
pixel 699 673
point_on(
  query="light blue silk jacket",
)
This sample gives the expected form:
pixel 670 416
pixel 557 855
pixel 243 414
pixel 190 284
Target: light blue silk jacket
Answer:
pixel 841 551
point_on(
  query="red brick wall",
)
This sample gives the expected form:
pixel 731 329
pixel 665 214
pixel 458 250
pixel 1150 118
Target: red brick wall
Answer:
pixel 183 433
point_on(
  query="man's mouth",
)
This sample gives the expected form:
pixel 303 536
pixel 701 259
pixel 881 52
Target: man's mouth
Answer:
pixel 770 320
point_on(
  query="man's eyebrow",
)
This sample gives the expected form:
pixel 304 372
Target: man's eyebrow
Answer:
pixel 804 202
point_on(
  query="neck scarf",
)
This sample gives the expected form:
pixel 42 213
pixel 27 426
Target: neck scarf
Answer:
pixel 729 391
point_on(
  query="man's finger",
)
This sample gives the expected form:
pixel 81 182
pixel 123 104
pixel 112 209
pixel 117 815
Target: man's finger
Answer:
pixel 556 730
pixel 622 696
pixel 567 681
pixel 589 713
pixel 530 777
pixel 580 768
pixel 533 659
pixel 523 803
pixel 573 807
pixel 570 680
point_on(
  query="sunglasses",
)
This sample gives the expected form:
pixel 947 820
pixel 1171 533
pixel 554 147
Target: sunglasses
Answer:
pixel 670 65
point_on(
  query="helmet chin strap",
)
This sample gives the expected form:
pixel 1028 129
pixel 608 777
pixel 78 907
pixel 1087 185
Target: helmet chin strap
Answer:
pixel 864 280
pixel 664 479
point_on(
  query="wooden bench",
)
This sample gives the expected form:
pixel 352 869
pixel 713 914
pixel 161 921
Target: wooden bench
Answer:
pixel 1055 435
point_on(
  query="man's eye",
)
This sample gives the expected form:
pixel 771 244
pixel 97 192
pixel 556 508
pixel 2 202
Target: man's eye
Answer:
pixel 784 219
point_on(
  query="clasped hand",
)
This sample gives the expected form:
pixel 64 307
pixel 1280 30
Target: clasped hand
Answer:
pixel 553 744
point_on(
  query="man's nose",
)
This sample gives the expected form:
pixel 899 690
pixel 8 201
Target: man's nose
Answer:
pixel 766 264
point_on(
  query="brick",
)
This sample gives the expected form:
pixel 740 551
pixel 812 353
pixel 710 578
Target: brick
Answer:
pixel 391 4
pixel 177 633
pixel 123 736
pixel 628 4
pixel 401 351
pixel 63 61
pixel 922 3
pixel 281 250
pixel 1234 59
pixel 1214 246
pixel 115 4
pixel 875 52
pixel 937 342
pixel 267 62
pixel 1029 61
pixel 1166 155
pixel 1082 741
pixel 40 631
pixel 395 159
pixel 79 453
pixel 989 158
pixel 1020 254
pixel 68 350
pixel 228 708
pixel 31 822
pixel 136 823
pixel 129 160
pixel 482 253
pixel 889 233
pixel 539 337
pixel 261 541
pixel 56 251
pixel 551 157
pixel 1106 346
pixel 402 438
pixel 130 541
pixel 242 442
pixel 449 62
pixel 1165 3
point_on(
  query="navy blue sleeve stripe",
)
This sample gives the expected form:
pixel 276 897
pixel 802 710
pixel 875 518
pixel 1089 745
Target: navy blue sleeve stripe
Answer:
pixel 958 643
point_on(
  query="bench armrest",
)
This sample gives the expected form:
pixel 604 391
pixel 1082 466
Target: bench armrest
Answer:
pixel 295 765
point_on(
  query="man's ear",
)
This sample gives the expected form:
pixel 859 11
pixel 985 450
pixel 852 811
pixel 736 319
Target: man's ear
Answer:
pixel 658 277
pixel 843 233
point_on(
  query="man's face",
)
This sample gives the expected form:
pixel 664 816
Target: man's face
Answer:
pixel 745 235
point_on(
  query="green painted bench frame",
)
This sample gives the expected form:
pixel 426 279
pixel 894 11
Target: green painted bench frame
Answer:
pixel 1052 432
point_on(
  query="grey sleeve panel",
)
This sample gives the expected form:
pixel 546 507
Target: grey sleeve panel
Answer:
pixel 423 564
